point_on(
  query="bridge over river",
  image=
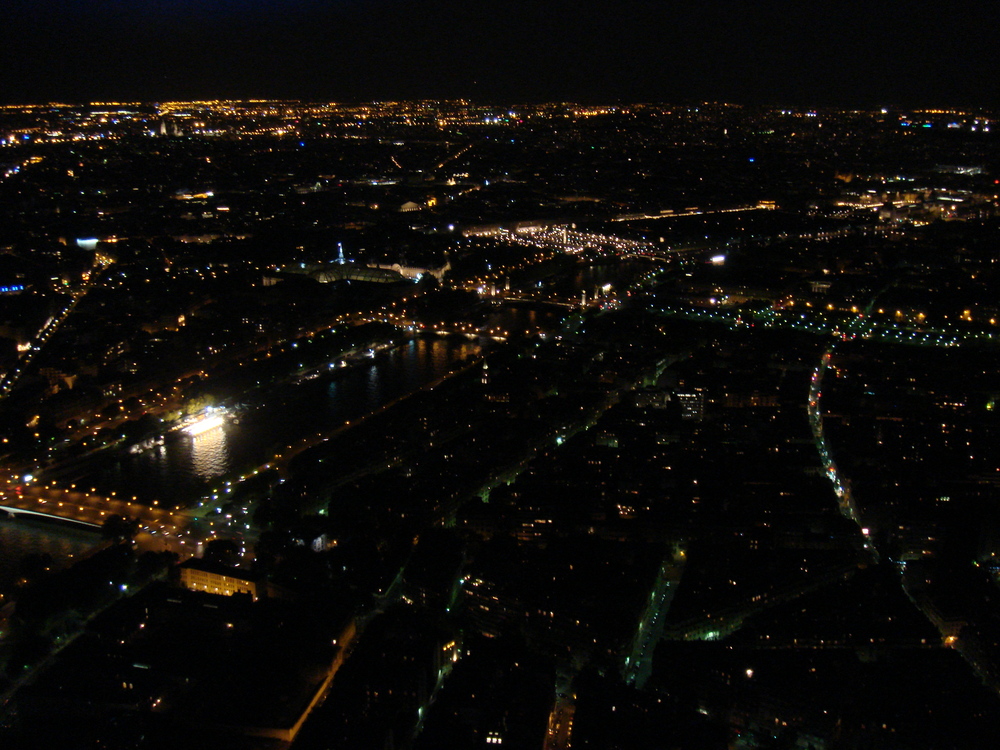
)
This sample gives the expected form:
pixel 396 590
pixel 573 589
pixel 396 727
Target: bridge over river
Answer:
pixel 89 509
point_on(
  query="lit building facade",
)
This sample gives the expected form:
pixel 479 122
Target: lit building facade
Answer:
pixel 199 575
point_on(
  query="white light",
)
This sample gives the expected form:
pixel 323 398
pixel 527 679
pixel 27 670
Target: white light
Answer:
pixel 204 425
pixel 717 260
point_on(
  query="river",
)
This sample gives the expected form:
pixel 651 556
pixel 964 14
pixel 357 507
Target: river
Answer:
pixel 20 537
pixel 183 467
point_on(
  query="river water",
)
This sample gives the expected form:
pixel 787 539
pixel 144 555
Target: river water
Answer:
pixel 184 467
pixel 22 537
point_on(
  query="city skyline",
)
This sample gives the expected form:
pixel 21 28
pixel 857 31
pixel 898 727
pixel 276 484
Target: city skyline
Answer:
pixel 468 421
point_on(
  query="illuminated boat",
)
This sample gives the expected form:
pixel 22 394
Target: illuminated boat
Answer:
pixel 205 424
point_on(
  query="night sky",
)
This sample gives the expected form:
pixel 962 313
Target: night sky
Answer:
pixel 796 52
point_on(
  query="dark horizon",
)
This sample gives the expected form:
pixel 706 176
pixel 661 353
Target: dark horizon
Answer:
pixel 782 54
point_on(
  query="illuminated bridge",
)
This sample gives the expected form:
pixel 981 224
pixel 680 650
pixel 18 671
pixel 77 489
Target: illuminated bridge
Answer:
pixel 89 510
pixel 52 516
pixel 528 300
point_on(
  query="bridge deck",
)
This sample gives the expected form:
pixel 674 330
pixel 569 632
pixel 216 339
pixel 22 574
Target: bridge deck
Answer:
pixel 15 511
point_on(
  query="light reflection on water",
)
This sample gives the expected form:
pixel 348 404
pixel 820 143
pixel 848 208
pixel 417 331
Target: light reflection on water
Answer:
pixel 185 466
pixel 373 382
pixel 210 454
